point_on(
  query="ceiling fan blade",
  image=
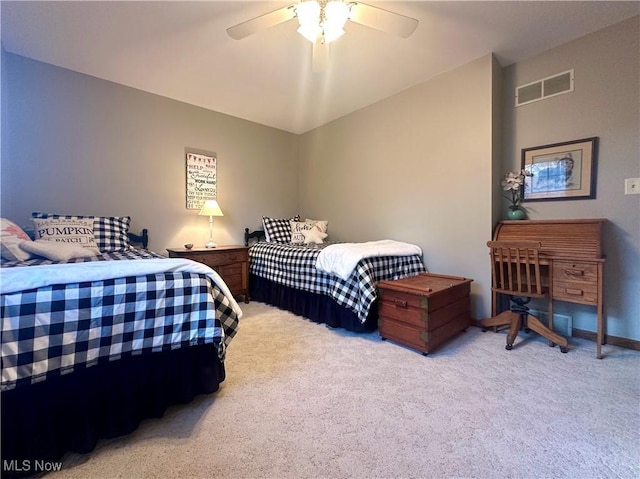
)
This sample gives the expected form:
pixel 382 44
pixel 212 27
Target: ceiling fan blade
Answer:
pixel 268 20
pixel 383 20
pixel 320 57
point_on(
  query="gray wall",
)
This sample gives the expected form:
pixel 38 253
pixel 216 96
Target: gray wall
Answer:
pixel 606 104
pixel 415 167
pixel 80 145
pixel 422 166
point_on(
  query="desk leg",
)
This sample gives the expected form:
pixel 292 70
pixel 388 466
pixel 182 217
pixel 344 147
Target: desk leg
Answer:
pixel 599 334
pixel 494 303
pixel 600 327
pixel 550 308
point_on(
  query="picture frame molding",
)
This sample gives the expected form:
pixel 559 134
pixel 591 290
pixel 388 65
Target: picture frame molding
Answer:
pixel 552 189
pixel 201 177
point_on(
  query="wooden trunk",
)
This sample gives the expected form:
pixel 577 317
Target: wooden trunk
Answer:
pixel 424 311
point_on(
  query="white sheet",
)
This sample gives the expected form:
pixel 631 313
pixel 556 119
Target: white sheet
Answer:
pixel 341 258
pixel 27 277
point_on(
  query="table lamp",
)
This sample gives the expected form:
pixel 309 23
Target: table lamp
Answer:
pixel 210 208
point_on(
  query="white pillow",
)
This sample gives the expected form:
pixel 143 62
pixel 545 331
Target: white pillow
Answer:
pixel 314 235
pixel 297 228
pixel 11 236
pixel 76 231
pixel 57 251
pixel 110 232
pixel 323 224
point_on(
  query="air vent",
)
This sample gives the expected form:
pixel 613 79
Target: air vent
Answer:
pixel 545 88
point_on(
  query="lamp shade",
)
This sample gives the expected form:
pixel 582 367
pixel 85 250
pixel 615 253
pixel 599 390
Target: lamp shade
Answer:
pixel 210 208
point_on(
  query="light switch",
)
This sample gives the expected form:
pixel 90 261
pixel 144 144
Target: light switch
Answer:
pixel 632 186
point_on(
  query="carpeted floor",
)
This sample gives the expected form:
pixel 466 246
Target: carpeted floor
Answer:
pixel 305 401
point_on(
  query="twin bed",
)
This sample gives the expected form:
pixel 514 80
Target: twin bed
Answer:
pixel 93 345
pixel 285 274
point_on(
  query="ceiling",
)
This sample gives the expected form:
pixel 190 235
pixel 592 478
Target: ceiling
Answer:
pixel 180 49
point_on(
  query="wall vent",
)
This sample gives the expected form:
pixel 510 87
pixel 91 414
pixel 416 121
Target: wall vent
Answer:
pixel 545 88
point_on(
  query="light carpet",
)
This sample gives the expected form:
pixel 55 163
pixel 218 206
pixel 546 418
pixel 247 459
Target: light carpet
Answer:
pixel 305 401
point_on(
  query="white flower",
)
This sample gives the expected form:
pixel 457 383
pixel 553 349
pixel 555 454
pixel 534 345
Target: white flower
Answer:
pixel 514 182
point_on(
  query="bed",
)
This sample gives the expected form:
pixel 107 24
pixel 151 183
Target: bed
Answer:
pixel 284 274
pixel 91 346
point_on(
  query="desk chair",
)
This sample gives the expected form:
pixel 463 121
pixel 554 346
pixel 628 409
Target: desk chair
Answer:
pixel 515 271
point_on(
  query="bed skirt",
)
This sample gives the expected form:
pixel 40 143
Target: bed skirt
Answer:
pixel 71 413
pixel 316 307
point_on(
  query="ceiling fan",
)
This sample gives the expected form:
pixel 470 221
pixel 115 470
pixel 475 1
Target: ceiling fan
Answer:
pixel 322 22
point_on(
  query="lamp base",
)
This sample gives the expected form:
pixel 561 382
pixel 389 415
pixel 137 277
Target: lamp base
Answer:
pixel 210 244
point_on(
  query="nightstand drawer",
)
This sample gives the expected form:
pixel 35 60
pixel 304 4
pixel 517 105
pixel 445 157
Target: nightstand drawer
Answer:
pixel 576 292
pixel 232 276
pixel 220 259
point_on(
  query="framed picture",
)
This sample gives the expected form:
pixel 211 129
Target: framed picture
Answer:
pixel 561 171
pixel 202 181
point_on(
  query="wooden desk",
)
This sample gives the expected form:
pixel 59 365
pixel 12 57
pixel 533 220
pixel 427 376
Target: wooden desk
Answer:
pixel 572 252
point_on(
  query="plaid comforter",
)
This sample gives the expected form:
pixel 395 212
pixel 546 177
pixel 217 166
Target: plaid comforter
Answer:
pixel 295 266
pixel 131 253
pixel 54 330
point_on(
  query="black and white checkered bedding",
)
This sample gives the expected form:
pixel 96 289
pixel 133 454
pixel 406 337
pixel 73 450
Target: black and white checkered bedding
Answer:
pixel 54 330
pixel 131 253
pixel 295 266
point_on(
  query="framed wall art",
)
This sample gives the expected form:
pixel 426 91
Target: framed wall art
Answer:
pixel 561 171
pixel 202 181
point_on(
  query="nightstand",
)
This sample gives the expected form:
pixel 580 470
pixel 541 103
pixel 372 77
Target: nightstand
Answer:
pixel 230 262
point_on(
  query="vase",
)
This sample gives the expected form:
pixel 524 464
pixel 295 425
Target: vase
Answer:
pixel 516 214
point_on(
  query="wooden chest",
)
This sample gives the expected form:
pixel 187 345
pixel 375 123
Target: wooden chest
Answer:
pixel 424 311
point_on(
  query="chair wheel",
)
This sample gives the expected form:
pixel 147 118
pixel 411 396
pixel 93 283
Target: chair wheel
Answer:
pixel 563 349
pixel 509 347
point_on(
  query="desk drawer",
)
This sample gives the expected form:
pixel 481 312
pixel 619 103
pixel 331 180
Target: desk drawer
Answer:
pixel 575 291
pixel 583 272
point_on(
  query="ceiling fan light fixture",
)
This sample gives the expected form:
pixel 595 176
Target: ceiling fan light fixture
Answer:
pixel 310 32
pixel 336 15
pixel 330 34
pixel 308 14
pixel 322 19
